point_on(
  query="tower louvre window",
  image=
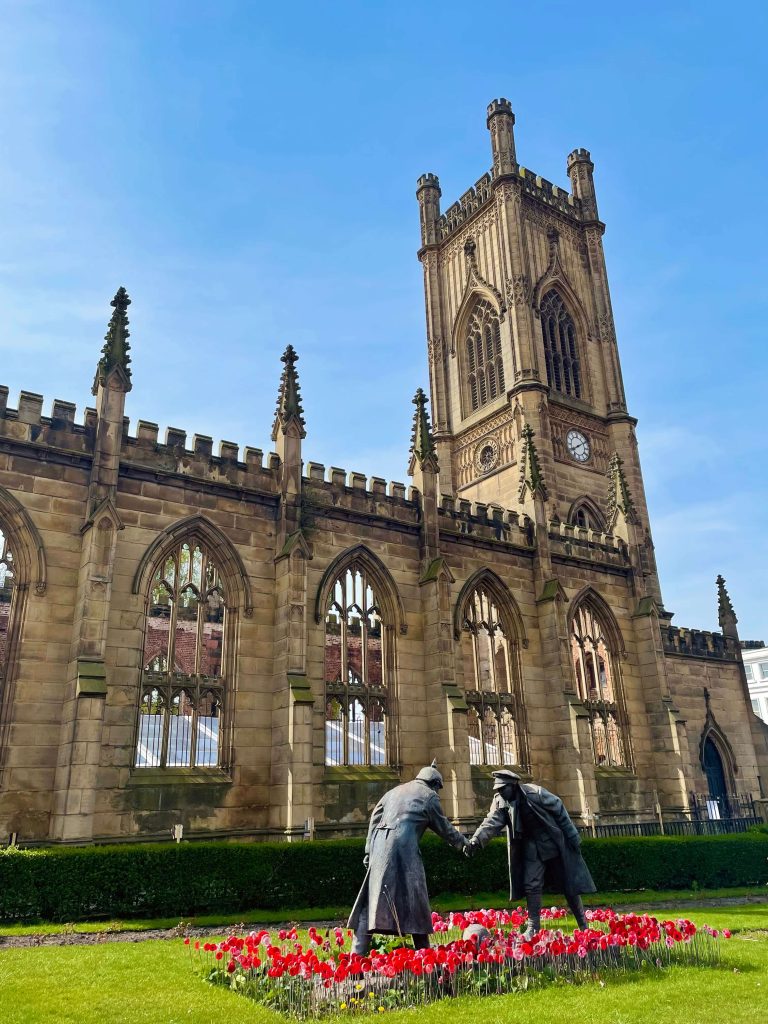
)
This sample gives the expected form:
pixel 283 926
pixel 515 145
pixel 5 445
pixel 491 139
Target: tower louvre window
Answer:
pixel 561 353
pixel 484 362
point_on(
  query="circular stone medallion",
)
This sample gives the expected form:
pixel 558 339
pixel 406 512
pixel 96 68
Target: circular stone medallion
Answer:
pixel 486 455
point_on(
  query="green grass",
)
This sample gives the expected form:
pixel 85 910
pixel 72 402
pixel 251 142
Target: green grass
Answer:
pixel 446 902
pixel 153 982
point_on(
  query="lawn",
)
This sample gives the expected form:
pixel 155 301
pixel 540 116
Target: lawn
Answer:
pixel 138 983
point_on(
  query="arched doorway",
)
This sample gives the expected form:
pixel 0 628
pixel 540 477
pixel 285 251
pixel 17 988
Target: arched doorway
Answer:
pixel 713 768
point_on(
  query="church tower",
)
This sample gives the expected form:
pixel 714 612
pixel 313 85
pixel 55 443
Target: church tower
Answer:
pixel 521 339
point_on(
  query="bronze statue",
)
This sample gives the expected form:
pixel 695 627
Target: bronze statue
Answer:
pixel 541 841
pixel 393 899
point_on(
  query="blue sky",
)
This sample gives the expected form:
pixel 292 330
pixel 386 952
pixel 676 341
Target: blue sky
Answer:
pixel 248 170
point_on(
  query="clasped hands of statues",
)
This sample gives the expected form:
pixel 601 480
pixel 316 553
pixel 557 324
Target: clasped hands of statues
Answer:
pixel 471 846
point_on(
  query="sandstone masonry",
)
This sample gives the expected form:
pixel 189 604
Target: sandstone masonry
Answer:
pixel 523 535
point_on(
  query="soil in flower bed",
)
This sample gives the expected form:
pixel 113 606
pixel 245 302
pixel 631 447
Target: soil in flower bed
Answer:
pixel 96 933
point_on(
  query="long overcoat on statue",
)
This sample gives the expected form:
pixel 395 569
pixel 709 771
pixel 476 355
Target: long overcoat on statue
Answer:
pixel 551 812
pixel 394 895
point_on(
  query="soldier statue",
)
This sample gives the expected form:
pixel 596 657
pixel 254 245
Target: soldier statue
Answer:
pixel 541 841
pixel 393 899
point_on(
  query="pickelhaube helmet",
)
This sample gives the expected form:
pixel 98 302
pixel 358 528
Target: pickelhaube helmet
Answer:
pixel 431 776
pixel 503 777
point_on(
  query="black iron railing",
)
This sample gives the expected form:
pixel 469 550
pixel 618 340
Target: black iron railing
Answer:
pixel 708 816
pixel 677 827
pixel 714 808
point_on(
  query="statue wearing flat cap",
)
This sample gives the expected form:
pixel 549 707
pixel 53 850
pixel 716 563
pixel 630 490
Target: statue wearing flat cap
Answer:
pixel 542 843
pixel 393 899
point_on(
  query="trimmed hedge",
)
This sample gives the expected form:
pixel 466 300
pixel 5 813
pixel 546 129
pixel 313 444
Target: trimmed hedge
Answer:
pixel 163 880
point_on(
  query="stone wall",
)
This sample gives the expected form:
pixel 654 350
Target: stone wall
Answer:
pixel 47 471
pixel 90 510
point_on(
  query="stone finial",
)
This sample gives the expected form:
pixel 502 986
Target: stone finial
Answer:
pixel 289 406
pixel 726 616
pixel 422 442
pixel 114 354
pixel 531 476
pixel 619 498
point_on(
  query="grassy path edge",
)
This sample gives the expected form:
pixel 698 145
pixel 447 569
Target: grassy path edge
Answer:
pixel 96 932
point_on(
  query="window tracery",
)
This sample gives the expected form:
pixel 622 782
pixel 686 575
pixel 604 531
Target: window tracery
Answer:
pixel 356 687
pixel 484 362
pixel 492 679
pixel 7 582
pixel 561 353
pixel 183 682
pixel 598 686
pixel 585 514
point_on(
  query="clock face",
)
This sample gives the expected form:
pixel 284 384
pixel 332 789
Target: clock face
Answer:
pixel 578 445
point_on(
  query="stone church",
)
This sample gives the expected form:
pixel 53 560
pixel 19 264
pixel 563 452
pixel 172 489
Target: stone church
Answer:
pixel 257 645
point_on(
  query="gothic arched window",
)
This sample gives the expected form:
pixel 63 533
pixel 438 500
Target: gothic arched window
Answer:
pixel 7 582
pixel 356 687
pixel 561 351
pixel 183 677
pixel 490 650
pixel 484 363
pixel 595 662
pixel 585 514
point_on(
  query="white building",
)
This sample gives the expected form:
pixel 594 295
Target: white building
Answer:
pixel 755 655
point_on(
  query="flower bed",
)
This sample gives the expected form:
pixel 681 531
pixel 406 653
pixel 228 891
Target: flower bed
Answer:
pixel 319 975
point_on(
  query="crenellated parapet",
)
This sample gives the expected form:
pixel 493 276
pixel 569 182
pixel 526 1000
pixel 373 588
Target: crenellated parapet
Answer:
pixel 485 522
pixel 699 643
pixel 59 436
pixel 459 212
pixel 546 192
pixel 481 193
pixel 198 458
pixel 26 423
pixel 359 483
pixel 574 542
pixel 334 491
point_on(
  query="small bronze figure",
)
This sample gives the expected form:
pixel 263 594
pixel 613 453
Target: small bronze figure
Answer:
pixel 541 841
pixel 393 899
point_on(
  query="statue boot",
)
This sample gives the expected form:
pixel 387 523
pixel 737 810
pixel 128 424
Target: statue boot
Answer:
pixel 361 943
pixel 577 909
pixel 534 916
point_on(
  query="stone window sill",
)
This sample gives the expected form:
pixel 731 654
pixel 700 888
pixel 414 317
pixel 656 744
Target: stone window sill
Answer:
pixel 611 772
pixel 485 771
pixel 571 402
pixel 175 776
pixel 361 773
